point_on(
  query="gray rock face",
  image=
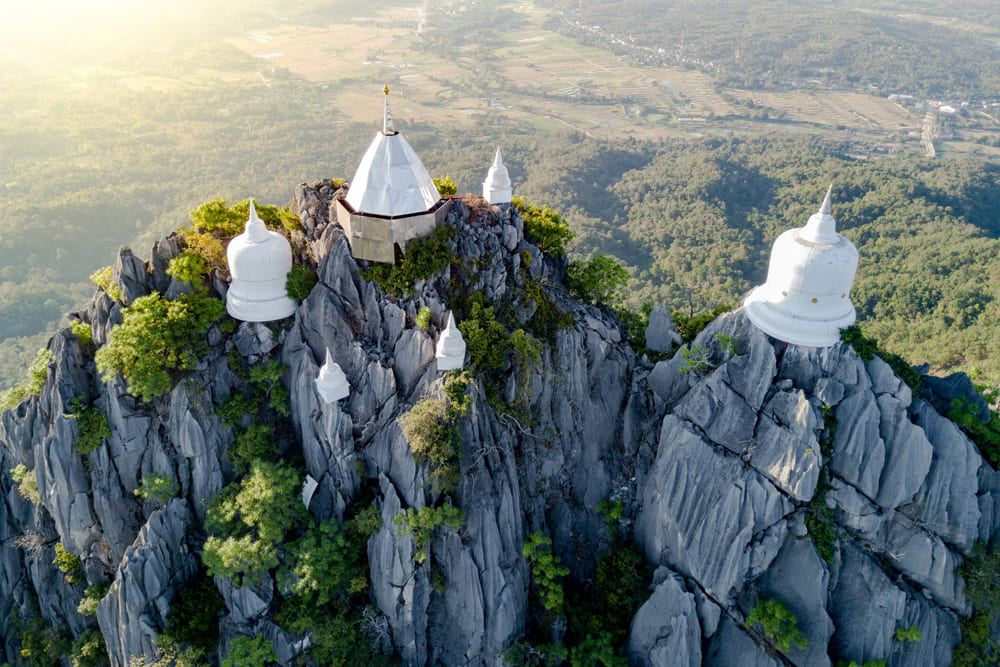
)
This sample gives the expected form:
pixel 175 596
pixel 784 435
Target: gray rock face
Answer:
pixel 725 470
pixel 156 565
pixel 665 630
pixel 702 512
pixel 661 336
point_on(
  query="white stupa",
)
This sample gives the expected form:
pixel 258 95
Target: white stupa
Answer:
pixel 391 198
pixel 497 188
pixel 259 261
pixel 806 299
pixel 450 351
pixel 331 383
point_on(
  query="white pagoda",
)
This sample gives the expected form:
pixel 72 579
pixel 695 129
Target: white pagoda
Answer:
pixel 259 261
pixel 391 198
pixel 497 188
pixel 450 351
pixel 331 383
pixel 806 299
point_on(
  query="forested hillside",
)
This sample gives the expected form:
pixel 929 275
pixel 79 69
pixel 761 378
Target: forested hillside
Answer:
pixel 119 151
pixel 795 43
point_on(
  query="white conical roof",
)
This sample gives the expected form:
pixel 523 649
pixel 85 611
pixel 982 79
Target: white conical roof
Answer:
pixel 806 299
pixel 497 188
pixel 450 352
pixel 331 383
pixel 259 261
pixel 391 180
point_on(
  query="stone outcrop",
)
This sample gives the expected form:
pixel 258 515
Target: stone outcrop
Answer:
pixel 726 459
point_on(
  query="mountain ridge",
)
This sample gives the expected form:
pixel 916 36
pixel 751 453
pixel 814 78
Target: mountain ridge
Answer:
pixel 720 472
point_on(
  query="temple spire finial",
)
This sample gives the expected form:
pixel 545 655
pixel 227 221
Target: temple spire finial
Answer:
pixel 825 208
pixel 387 127
pixel 497 160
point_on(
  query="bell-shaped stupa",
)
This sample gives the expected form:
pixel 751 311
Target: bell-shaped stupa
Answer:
pixel 259 262
pixel 497 188
pixel 806 299
pixel 391 198
pixel 331 383
pixel 450 351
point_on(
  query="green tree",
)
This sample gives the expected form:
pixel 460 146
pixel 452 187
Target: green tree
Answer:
pixel 246 651
pixel 157 341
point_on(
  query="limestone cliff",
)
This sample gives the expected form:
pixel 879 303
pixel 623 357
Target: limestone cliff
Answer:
pixel 718 465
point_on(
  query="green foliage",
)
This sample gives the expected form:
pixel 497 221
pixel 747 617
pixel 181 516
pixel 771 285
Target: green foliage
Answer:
pixel 986 436
pixel 431 429
pixel 27 485
pixel 248 520
pixel 820 524
pixel 102 278
pixel 92 426
pixel 544 227
pixel 695 359
pixel 600 279
pixel 256 443
pixel 611 512
pixel 91 598
pixel 546 571
pixel 728 343
pixel 621 583
pixel 779 624
pixel 69 564
pixel 423 318
pixel 89 650
pixel 188 267
pixel 434 440
pixel 41 645
pixel 82 331
pixel 908 635
pixel 526 348
pixel 982 589
pixel 423 523
pixel 689 326
pixel 266 378
pixel 329 563
pixel 485 338
pixel 31 385
pixel 160 488
pixel 870 663
pixel 868 348
pixel 445 185
pixel 422 259
pixel 245 651
pixel 595 651
pixel 301 280
pixel 157 341
pixel 194 616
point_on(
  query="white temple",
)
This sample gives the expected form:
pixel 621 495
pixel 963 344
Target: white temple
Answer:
pixel 450 351
pixel 259 261
pixel 497 188
pixel 391 198
pixel 331 383
pixel 806 299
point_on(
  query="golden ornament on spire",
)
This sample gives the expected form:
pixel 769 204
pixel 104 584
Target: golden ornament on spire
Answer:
pixel 386 90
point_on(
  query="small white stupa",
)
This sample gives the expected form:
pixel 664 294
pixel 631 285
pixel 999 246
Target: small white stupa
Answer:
pixel 331 383
pixel 259 261
pixel 450 351
pixel 806 299
pixel 391 198
pixel 497 188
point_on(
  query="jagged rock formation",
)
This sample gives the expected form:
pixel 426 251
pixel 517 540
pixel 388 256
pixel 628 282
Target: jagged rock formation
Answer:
pixel 716 466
